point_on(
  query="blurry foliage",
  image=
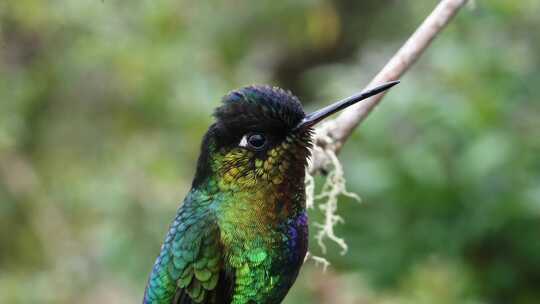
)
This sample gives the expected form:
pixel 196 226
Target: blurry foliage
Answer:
pixel 103 104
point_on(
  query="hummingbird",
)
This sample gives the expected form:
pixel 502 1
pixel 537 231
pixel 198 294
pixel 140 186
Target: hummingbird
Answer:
pixel 241 234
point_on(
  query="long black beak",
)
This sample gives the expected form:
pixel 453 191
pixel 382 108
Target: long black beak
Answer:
pixel 315 117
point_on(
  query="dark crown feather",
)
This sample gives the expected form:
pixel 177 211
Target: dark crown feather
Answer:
pixel 260 106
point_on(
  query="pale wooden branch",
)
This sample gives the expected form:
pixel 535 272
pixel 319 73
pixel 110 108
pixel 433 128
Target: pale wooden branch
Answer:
pixel 339 129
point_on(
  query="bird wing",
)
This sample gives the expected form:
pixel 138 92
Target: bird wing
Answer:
pixel 190 267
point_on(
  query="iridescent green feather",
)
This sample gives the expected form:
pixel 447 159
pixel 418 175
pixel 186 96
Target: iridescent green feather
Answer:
pixel 190 260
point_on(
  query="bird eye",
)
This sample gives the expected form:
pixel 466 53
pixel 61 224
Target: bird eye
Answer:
pixel 254 141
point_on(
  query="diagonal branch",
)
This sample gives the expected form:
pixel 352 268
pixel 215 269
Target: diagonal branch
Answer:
pixel 339 129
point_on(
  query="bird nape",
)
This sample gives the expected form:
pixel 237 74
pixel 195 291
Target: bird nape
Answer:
pixel 241 234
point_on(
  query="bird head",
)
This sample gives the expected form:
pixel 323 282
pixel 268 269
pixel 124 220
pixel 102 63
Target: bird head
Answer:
pixel 261 136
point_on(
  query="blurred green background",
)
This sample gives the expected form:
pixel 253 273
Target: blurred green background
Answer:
pixel 103 105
